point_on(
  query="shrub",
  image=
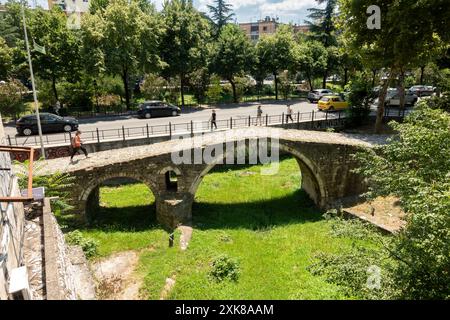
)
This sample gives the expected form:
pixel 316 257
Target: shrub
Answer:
pixel 89 246
pixel 224 268
pixel 213 94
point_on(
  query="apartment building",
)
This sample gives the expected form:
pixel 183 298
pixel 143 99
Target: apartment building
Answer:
pixel 268 25
pixel 70 6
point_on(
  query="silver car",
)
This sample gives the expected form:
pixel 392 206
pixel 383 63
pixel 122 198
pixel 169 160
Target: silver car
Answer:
pixel 315 95
pixel 393 98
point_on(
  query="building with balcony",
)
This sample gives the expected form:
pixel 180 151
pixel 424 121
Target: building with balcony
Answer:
pixel 268 25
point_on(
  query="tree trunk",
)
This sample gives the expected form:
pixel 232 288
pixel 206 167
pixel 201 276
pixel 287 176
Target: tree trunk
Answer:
pixel 381 99
pixel 324 80
pixel 346 76
pixel 422 69
pixel 182 89
pixel 125 86
pixel 374 74
pixel 401 90
pixel 310 83
pixel 233 86
pixel 276 85
pixel 55 92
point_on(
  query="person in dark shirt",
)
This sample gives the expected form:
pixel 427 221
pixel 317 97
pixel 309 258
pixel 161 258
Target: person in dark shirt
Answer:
pixel 213 119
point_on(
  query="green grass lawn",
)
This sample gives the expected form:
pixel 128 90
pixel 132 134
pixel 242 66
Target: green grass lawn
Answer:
pixel 266 223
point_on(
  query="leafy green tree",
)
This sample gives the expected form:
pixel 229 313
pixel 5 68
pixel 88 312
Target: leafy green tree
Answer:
pixel 221 13
pixel 275 53
pixel 232 55
pixel 5 59
pixel 400 39
pixel 62 47
pixel 8 30
pixel 322 29
pixel 153 86
pixel 214 92
pixel 310 58
pixel 121 39
pixel 414 167
pixel 11 98
pixel 183 41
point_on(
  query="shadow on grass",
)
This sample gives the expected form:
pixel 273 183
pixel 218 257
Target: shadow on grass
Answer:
pixel 258 215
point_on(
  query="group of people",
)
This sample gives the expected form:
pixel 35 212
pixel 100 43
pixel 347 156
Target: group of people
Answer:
pixel 259 114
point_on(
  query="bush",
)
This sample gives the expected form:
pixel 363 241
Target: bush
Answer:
pixel 224 268
pixel 89 246
pixel 214 92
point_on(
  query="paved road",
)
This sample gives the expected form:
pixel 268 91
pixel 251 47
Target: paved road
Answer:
pixel 241 111
pixel 111 127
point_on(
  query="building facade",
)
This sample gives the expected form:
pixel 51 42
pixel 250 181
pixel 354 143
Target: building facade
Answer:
pixel 268 25
pixel 70 6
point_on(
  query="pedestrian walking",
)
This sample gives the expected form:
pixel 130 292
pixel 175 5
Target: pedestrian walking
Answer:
pixel 77 145
pixel 259 113
pixel 289 114
pixel 57 107
pixel 213 120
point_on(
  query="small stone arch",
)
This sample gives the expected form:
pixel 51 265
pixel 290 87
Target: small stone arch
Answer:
pixel 171 175
pixel 94 183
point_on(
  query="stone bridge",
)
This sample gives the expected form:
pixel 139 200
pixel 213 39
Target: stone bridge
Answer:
pixel 324 160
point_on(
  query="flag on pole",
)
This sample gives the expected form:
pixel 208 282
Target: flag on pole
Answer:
pixel 38 48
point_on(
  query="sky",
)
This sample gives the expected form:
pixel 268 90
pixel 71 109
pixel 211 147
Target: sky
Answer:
pixel 287 11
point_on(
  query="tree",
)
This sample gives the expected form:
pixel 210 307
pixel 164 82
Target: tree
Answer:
pixel 5 59
pixel 232 55
pixel 274 52
pixel 310 58
pixel 62 47
pixel 11 92
pixel 322 29
pixel 399 41
pixel 121 39
pixel 153 87
pixel 8 31
pixel 183 41
pixel 221 14
pixel 415 168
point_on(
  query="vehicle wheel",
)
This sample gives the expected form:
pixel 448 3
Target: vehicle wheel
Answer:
pixel 27 132
pixel 331 109
pixel 148 115
pixel 310 101
pixel 174 113
pixel 67 128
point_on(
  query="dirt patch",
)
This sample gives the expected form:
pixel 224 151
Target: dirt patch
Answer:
pixel 116 278
pixel 384 212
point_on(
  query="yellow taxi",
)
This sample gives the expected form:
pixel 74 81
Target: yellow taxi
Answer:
pixel 330 103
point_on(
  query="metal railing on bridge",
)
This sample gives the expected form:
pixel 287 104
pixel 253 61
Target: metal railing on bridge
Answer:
pixel 169 129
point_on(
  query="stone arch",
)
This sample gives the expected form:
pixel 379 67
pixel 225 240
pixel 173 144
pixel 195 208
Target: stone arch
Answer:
pixel 94 184
pixel 312 181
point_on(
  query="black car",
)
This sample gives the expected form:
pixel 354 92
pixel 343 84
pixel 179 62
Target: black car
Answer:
pixel 27 125
pixel 150 109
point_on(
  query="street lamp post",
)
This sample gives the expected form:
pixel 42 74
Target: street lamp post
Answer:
pixel 36 106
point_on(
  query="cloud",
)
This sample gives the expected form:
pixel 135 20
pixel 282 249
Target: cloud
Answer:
pixel 287 7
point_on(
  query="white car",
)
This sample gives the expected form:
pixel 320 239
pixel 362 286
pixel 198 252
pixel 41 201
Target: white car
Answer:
pixel 315 95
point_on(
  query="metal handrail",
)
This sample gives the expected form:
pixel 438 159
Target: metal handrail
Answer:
pixel 98 135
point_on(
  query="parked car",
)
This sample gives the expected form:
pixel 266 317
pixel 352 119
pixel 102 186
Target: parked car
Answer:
pixel 393 98
pixel 155 108
pixel 331 103
pixel 315 95
pixel 421 90
pixel 27 125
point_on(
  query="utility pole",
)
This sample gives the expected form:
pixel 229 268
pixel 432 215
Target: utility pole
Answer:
pixel 36 106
